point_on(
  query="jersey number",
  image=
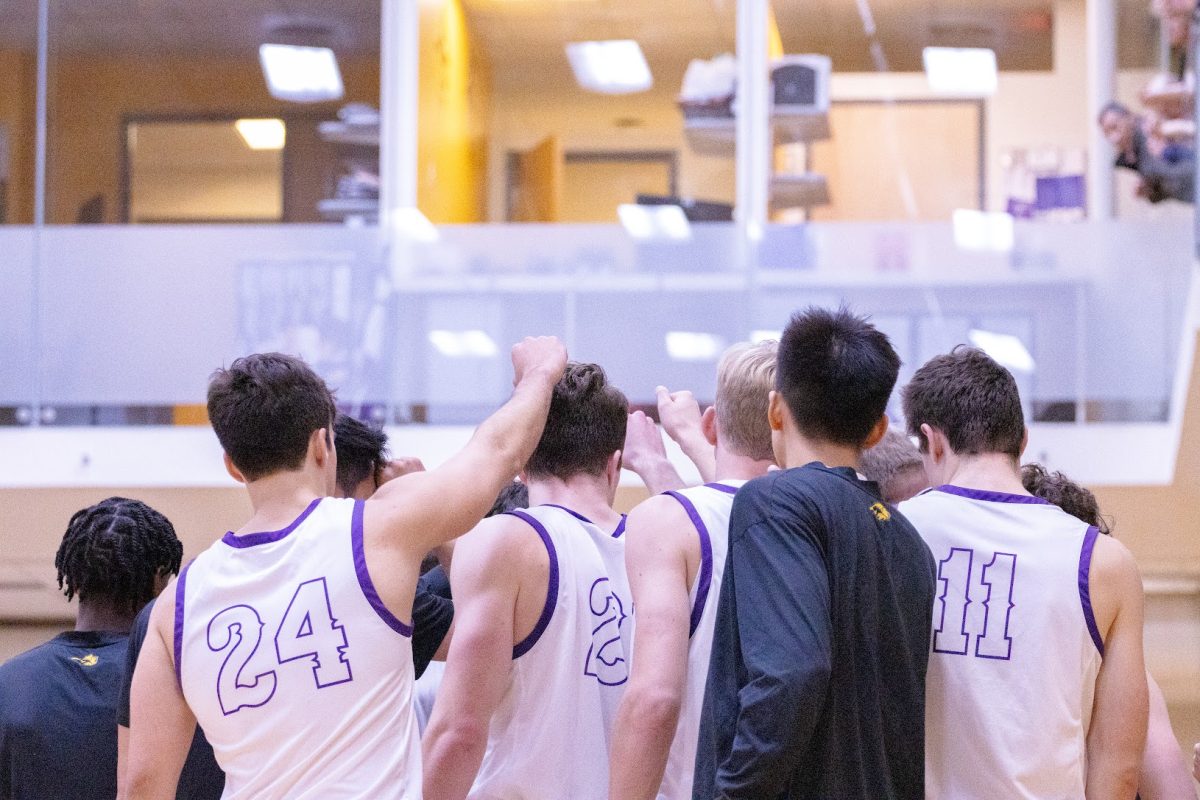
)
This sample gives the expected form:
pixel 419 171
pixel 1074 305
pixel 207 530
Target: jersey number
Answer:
pixel 308 630
pixel 956 573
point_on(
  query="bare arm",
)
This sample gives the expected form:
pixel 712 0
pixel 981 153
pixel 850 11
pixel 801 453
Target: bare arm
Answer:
pixel 1164 774
pixel 1117 735
pixel 656 540
pixel 161 724
pixel 680 415
pixel 646 456
pixel 122 761
pixel 485 594
pixel 412 511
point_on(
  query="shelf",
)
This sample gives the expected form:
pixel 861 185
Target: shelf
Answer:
pixel 342 133
pixel 799 191
pixel 717 136
pixel 337 208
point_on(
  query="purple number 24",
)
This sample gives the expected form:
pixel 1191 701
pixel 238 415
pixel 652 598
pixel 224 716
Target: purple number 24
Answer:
pixel 308 630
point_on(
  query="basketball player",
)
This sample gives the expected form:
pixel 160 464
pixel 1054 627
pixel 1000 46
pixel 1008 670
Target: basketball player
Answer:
pixel 538 659
pixel 1163 775
pixel 58 701
pixel 895 464
pixel 290 646
pixel 816 682
pixel 1036 679
pixel 675 556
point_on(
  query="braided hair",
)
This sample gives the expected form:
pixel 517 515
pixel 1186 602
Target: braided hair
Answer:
pixel 113 551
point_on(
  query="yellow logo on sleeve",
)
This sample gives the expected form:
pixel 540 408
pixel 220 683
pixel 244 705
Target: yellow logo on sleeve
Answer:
pixel 881 513
pixel 90 660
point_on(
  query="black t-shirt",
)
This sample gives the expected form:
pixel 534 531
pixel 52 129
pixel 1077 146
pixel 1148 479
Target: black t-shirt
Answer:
pixel 816 688
pixel 433 612
pixel 57 704
pixel 201 778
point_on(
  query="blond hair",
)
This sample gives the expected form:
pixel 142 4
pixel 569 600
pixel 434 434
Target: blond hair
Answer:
pixel 745 378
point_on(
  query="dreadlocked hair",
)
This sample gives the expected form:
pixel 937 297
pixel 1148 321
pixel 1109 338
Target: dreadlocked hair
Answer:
pixel 113 551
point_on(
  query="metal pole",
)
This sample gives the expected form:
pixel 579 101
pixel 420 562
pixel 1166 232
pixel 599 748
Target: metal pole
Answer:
pixel 754 136
pixel 398 99
pixel 39 202
pixel 1101 73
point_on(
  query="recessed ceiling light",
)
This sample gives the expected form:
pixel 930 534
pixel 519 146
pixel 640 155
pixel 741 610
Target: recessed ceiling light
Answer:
pixel 301 74
pixel 463 344
pixel 984 230
pixel 1007 350
pixel 655 222
pixel 692 346
pixel 262 134
pixel 610 67
pixel 961 70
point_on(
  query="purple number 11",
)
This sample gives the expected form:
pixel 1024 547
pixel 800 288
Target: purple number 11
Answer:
pixel 956 575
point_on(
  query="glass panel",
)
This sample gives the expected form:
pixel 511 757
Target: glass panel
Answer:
pixel 18 355
pixel 18 90
pixel 561 112
pixel 138 88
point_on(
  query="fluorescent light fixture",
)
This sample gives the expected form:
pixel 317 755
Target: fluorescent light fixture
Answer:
pixel 758 337
pixel 262 134
pixel 411 224
pixel 982 230
pixel 301 74
pixel 655 222
pixel 961 70
pixel 690 346
pixel 1008 350
pixel 612 67
pixel 463 344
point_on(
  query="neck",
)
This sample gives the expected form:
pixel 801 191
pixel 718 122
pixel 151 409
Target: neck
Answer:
pixel 101 617
pixel 993 472
pixel 800 450
pixel 736 467
pixel 284 494
pixel 588 495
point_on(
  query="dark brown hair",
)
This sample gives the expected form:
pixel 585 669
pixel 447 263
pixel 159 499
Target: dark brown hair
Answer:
pixel 586 425
pixel 1056 488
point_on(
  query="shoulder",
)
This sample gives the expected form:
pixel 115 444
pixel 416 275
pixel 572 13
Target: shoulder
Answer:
pixel 28 663
pixel 660 525
pixel 1114 566
pixel 505 541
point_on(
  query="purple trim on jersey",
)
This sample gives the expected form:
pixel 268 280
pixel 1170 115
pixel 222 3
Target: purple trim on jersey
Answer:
pixel 720 487
pixel 180 596
pixel 706 561
pixel 526 644
pixel 254 539
pixel 574 514
pixel 364 576
pixel 992 497
pixel 1085 592
pixel 620 531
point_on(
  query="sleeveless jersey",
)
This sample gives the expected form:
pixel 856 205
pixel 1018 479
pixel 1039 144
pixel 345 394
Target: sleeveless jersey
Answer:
pixel 708 507
pixel 300 677
pixel 1016 649
pixel 549 738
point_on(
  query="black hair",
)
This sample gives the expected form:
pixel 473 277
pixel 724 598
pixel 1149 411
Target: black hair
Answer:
pixel 514 495
pixel 836 372
pixel 361 451
pixel 1113 107
pixel 971 399
pixel 586 425
pixel 264 408
pixel 1057 488
pixel 113 551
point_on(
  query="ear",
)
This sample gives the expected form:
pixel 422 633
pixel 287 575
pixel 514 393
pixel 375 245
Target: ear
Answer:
pixel 936 445
pixel 613 468
pixel 873 438
pixel 776 409
pixel 318 445
pixel 708 425
pixel 1024 440
pixel 523 477
pixel 233 471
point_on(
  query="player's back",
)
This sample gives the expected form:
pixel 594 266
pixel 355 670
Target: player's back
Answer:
pixel 298 674
pixel 708 508
pixel 1015 649
pixel 549 738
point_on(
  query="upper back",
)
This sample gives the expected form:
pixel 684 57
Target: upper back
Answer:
pixel 294 668
pixel 1014 621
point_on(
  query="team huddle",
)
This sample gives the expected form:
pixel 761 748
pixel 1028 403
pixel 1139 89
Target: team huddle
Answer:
pixel 834 612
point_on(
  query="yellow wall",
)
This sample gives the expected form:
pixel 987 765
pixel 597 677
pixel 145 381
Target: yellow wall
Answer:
pixel 455 92
pixel 17 113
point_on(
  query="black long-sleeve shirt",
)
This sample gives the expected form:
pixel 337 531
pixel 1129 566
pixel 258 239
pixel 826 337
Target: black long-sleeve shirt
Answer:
pixel 816 687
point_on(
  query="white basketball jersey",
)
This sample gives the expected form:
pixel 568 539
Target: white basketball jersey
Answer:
pixel 708 507
pixel 549 738
pixel 1015 646
pixel 300 677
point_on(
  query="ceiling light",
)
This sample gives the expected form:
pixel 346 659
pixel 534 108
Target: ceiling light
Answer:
pixel 655 222
pixel 689 346
pixel 982 230
pixel 611 67
pixel 1007 350
pixel 262 134
pixel 463 344
pixel 301 74
pixel 961 70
